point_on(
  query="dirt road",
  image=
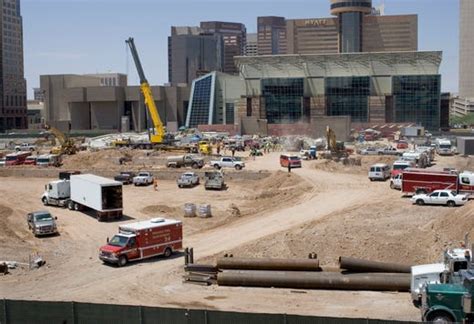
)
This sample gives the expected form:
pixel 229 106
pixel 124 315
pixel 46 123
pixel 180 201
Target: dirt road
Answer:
pixel 73 271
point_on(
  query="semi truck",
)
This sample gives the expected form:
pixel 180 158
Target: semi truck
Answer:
pixel 142 240
pixel 86 191
pixel 418 181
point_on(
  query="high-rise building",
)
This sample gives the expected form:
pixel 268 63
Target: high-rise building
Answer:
pixel 466 49
pixel 13 112
pixel 271 35
pixel 234 38
pixel 251 46
pixel 192 53
pixel 38 94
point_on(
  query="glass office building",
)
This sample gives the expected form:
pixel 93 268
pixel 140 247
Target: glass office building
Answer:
pixel 283 99
pixel 348 96
pixel 201 103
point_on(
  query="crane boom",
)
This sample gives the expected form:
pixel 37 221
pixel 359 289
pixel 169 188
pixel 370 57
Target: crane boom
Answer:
pixel 159 131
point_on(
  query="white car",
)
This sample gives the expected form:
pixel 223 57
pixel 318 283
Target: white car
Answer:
pixel 440 197
pixel 25 147
pixel 188 179
pixel 143 179
pixel 396 182
pixel 369 151
pixel 2 162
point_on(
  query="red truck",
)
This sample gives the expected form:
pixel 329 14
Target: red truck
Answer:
pixel 16 158
pixel 418 181
pixel 144 239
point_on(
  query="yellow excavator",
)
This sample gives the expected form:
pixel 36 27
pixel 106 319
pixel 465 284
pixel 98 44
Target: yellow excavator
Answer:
pixel 336 148
pixel 157 136
pixel 66 145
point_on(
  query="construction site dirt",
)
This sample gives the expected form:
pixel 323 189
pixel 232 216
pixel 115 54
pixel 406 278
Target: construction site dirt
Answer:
pixel 324 207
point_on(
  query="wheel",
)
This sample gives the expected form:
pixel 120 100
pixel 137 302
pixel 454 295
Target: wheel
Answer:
pixel 168 252
pixel 371 179
pixel 451 203
pixel 180 186
pixel 216 166
pixel 122 261
pixel 77 207
pixel 45 201
pixel 70 205
pixel 420 202
pixel 238 167
pixel 392 186
pixel 195 166
pixel 440 317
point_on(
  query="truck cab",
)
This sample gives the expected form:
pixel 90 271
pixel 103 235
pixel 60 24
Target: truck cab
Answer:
pixel 121 248
pixel 444 147
pixel 451 302
pixel 56 193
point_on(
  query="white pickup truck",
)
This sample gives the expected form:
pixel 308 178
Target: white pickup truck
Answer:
pixel 25 147
pixel 143 179
pixel 228 162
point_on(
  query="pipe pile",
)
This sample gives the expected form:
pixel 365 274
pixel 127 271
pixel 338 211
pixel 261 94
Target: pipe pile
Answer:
pixel 268 264
pixel 359 265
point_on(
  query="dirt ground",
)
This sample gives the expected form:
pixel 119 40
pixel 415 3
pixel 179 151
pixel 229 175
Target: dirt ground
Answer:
pixel 323 207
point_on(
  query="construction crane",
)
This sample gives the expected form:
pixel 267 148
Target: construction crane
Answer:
pixel 66 145
pixel 158 134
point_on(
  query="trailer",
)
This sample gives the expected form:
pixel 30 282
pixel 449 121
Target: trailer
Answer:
pixel 86 191
pixel 418 181
pixel 142 240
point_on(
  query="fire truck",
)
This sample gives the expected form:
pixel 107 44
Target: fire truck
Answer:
pixel 422 181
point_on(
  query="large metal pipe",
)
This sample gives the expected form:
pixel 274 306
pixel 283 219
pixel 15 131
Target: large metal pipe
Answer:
pixel 315 280
pixel 268 264
pixel 360 265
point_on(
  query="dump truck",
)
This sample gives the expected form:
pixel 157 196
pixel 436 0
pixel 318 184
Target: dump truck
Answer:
pixel 142 240
pixel 86 191
pixel 187 160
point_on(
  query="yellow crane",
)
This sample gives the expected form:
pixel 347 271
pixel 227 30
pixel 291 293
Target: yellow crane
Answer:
pixel 158 134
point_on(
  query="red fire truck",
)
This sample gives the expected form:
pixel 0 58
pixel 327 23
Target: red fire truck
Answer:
pixel 141 240
pixel 417 181
pixel 16 158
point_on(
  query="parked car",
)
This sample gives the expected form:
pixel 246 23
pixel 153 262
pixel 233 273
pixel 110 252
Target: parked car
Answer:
pixel 143 179
pixel 31 160
pixel 42 223
pixel 396 182
pixel 228 162
pixel 25 147
pixel 188 179
pixel 379 171
pixel 289 159
pixel 214 180
pixel 125 177
pixel 389 151
pixel 440 197
pixel 369 151
pixel 2 162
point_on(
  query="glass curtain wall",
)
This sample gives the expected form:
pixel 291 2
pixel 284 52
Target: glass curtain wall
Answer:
pixel 201 101
pixel 348 96
pixel 283 99
pixel 351 32
pixel 417 98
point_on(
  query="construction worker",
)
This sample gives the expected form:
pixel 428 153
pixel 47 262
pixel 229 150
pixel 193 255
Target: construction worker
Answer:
pixel 155 184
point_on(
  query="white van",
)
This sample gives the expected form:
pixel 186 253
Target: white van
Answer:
pixel 379 171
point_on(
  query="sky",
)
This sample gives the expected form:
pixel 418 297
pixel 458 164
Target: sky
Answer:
pixel 88 36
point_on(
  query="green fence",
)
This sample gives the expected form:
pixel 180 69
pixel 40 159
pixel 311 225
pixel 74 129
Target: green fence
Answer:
pixel 47 312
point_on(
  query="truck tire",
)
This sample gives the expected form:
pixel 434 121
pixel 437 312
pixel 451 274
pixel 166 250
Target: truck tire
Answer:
pixel 77 207
pixel 420 202
pixel 70 205
pixel 216 166
pixel 45 201
pixel 238 167
pixel 180 186
pixel 440 317
pixel 194 165
pixel 451 203
pixel 168 252
pixel 122 261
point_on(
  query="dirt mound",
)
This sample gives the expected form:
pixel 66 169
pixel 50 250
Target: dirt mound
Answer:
pixel 7 229
pixel 454 225
pixel 366 162
pixel 162 210
pixel 98 160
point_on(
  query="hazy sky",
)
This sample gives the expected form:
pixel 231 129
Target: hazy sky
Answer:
pixel 88 36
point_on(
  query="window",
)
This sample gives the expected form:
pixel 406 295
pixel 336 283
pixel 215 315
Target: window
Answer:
pixel 348 96
pixel 249 107
pixel 444 194
pixel 434 195
pixel 201 101
pixel 465 180
pixel 283 99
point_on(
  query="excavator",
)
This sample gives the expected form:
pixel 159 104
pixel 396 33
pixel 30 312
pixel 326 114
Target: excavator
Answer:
pixel 336 148
pixel 66 145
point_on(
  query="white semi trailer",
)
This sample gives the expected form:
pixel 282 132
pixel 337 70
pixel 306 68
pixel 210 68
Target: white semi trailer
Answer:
pixel 86 191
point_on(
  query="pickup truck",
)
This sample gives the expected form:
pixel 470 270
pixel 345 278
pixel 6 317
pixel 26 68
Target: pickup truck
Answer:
pixel 389 151
pixel 214 180
pixel 188 179
pixel 25 147
pixel 125 177
pixel 143 179
pixel 228 162
pixel 179 161
pixel 41 223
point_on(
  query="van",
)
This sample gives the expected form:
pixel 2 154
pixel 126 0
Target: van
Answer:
pixel 379 172
pixel 289 159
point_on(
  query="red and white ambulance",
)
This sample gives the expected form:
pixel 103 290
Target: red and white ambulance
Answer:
pixel 144 239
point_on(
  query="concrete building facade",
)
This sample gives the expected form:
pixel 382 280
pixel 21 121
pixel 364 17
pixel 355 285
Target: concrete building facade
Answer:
pixel 234 37
pixel 81 103
pixel 251 46
pixel 271 33
pixel 466 49
pixel 192 53
pixel 13 113
pixel 111 79
pixel 298 94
